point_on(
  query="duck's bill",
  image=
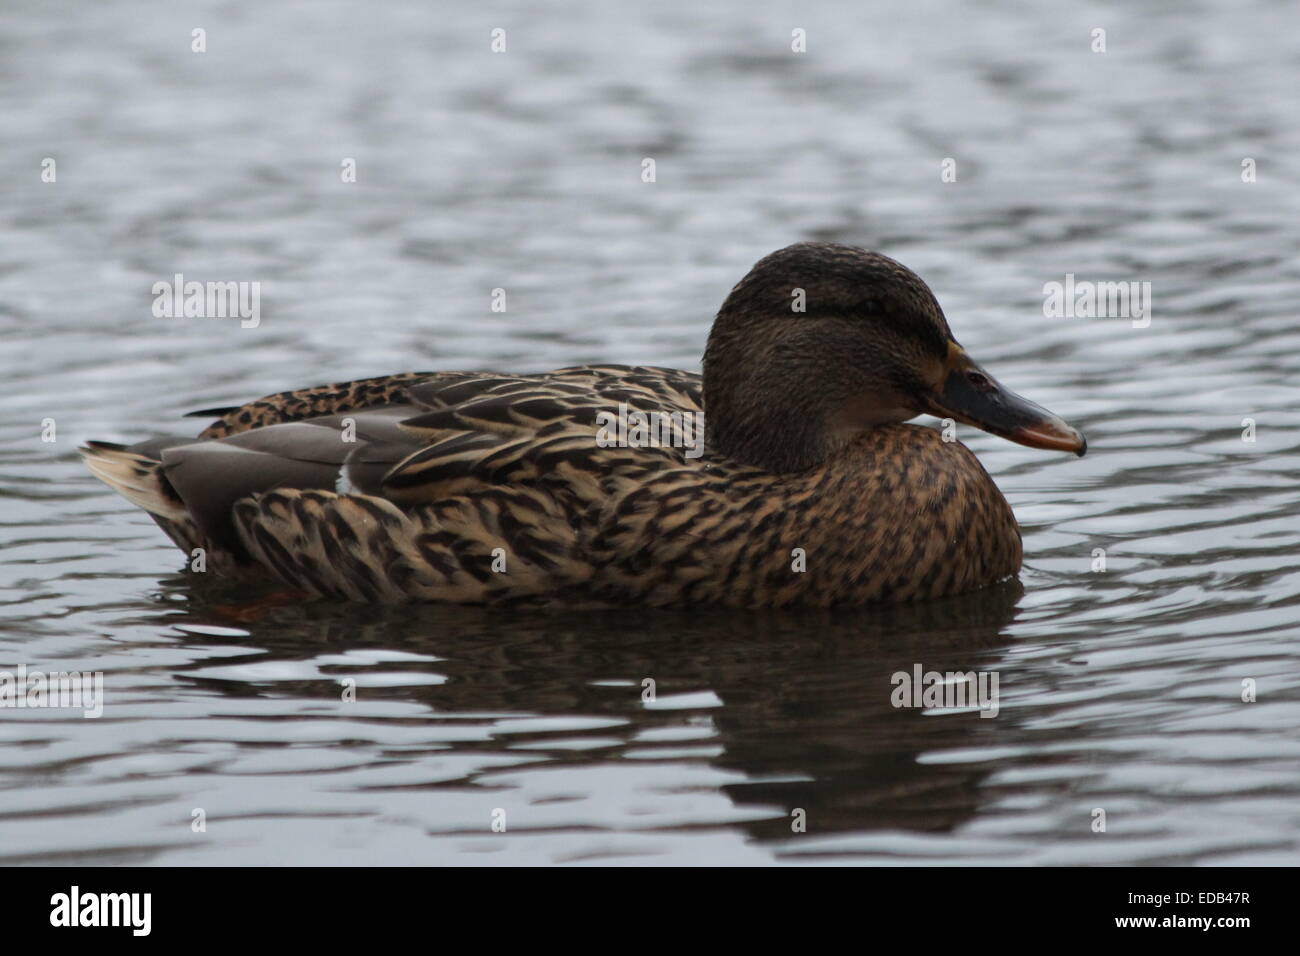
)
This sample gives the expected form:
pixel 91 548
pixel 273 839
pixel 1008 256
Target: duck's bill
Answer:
pixel 972 396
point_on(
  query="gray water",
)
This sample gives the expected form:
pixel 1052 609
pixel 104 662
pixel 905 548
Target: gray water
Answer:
pixel 1121 689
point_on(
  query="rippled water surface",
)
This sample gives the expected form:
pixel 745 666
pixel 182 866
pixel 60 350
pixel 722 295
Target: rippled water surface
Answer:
pixel 1121 689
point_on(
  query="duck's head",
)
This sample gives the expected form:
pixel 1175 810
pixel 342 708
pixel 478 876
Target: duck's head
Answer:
pixel 821 341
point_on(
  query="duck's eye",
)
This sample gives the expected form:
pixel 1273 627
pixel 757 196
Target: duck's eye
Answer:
pixel 979 380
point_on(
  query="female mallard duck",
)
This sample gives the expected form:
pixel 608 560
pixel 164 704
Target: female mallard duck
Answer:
pixel 477 487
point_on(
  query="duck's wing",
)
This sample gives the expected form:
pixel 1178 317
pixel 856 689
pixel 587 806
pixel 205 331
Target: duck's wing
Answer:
pixel 647 386
pixel 405 485
pixel 312 402
pixel 488 492
pixel 556 431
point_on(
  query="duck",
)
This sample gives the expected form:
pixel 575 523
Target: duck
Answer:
pixel 601 486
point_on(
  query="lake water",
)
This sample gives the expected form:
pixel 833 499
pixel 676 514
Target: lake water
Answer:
pixel 1120 689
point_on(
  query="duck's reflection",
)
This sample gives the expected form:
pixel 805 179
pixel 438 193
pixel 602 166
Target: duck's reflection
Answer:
pixel 805 716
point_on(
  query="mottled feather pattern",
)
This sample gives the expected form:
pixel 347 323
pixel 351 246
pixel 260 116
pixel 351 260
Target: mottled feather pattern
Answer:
pixel 898 514
pixel 368 549
pixel 511 463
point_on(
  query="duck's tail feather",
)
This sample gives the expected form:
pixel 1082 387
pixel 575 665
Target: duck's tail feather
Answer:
pixel 136 475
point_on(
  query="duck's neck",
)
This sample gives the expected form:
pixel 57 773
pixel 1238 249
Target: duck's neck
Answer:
pixel 778 439
pixel 769 413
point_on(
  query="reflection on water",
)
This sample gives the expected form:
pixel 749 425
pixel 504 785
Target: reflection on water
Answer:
pixel 1120 689
pixel 823 737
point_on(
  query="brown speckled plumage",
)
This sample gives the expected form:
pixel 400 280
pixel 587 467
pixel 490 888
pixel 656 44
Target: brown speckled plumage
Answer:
pixel 490 488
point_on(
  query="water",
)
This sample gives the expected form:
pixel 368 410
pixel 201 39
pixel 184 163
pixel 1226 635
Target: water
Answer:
pixel 1120 690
